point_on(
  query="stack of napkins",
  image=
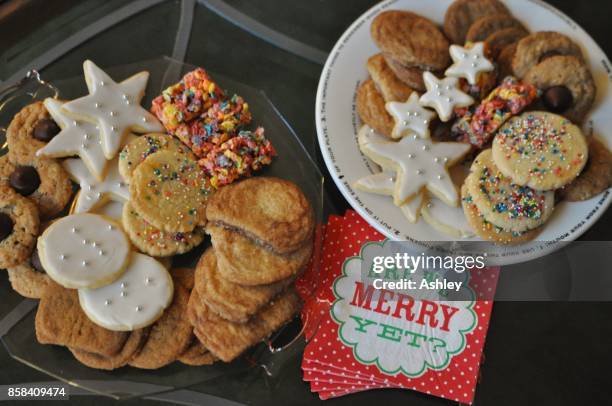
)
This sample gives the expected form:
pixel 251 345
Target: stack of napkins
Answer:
pixel 358 342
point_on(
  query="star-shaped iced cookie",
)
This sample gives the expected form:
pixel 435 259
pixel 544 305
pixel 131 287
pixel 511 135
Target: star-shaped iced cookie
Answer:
pixel 443 95
pixel 114 107
pixel 76 138
pixel 468 62
pixel 383 183
pixel 93 192
pixel 420 163
pixel 410 116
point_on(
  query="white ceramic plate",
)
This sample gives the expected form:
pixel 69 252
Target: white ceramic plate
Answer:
pixel 338 124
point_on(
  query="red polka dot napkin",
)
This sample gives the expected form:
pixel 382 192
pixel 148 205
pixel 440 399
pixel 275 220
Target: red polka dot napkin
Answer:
pixel 356 344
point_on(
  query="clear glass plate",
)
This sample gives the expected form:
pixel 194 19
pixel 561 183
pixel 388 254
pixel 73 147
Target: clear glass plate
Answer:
pixel 292 163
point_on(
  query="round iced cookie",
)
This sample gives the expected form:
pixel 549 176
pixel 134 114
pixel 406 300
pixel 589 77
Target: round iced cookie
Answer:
pixel 503 203
pixel 136 151
pixel 153 241
pixel 19 222
pixel 488 231
pixel 170 191
pixel 541 150
pixel 445 219
pixel 135 300
pixel 84 251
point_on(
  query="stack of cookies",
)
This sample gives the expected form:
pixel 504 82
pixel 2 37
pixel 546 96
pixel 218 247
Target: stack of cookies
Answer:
pixel 261 231
pixel 410 45
pixel 33 191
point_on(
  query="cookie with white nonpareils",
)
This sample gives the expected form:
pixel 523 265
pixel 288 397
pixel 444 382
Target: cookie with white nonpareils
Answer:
pixel 443 95
pixel 75 138
pixel 83 251
pixel 541 150
pixel 419 164
pixel 468 62
pixel 410 116
pixel 114 107
pixel 135 300
pixel 94 193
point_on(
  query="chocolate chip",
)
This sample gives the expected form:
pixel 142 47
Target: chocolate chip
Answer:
pixel 6 226
pixel 45 130
pixel 24 180
pixel 557 99
pixel 35 262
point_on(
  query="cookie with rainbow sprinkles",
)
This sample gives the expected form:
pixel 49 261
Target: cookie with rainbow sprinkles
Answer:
pixel 504 204
pixel 541 150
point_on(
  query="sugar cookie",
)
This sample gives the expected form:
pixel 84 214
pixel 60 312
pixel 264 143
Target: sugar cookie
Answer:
pixel 443 95
pixel 410 117
pixel 170 191
pixel 135 300
pixel 114 107
pixel 541 150
pixel 488 231
pixel 503 203
pixel 383 183
pixel 111 209
pixel 93 192
pixel 468 62
pixel 155 242
pixel 138 149
pixel 419 163
pixel 83 251
pixel 75 138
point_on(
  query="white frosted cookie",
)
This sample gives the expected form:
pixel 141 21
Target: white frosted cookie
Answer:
pixel 135 300
pixel 468 62
pixel 541 150
pixel 93 192
pixel 113 107
pixel 75 138
pixel 410 117
pixel 383 183
pixel 447 220
pixel 503 203
pixel 443 95
pixel 83 251
pixel 419 163
pixel 111 209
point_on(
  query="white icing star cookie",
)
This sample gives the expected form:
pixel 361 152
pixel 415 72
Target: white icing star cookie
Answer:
pixel 83 251
pixel 135 300
pixel 383 183
pixel 114 107
pixel 410 117
pixel 420 163
pixel 76 138
pixel 468 62
pixel 443 95
pixel 94 192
